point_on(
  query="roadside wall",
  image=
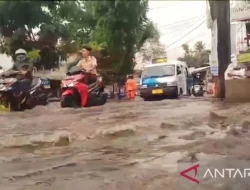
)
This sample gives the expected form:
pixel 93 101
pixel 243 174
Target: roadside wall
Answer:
pixel 238 90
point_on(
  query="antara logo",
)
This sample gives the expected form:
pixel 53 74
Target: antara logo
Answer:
pixel 219 173
pixel 195 168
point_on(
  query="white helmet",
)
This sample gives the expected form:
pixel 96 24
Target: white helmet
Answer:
pixel 21 51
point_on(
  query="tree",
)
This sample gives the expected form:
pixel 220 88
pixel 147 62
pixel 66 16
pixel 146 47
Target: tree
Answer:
pixel 122 28
pixel 119 27
pixel 54 19
pixel 196 57
pixel 152 49
pixel 199 46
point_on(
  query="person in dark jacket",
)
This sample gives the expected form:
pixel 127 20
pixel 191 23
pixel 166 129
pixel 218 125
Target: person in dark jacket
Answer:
pixel 22 64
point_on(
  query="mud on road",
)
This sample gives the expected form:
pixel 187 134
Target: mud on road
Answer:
pixel 122 145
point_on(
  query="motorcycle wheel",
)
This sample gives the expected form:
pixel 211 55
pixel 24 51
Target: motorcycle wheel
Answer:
pixel 69 101
pixel 64 101
pixel 197 94
pixel 29 103
pixel 104 98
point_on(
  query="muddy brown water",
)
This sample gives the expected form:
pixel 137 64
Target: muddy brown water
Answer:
pixel 122 145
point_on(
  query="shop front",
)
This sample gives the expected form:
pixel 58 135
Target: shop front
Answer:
pixel 238 85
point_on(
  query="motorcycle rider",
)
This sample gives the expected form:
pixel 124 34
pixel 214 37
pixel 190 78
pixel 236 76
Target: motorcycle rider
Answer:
pixel 197 79
pixel 22 64
pixel 89 64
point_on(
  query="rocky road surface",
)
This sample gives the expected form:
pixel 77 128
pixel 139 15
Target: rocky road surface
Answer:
pixel 122 145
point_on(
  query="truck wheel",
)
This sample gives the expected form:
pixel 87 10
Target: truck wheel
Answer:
pixel 176 94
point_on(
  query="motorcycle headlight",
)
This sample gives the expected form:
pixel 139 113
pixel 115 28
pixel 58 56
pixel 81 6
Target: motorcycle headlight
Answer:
pixel 70 85
pixel 143 86
pixel 10 88
pixel 174 83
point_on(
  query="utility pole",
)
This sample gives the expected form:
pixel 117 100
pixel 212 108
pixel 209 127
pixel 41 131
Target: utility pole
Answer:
pixel 224 41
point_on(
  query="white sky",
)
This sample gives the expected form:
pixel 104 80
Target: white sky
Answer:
pixel 174 19
pixel 177 18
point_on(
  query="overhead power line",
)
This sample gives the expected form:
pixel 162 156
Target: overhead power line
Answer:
pixel 180 27
pixel 183 28
pixel 186 34
pixel 182 21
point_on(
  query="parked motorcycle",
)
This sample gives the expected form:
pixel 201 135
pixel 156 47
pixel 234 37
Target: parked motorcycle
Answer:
pixel 76 93
pixel 13 99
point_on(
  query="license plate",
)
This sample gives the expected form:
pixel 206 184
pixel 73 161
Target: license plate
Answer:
pixel 46 86
pixel 157 91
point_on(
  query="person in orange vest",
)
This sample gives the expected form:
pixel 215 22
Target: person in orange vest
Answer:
pixel 214 89
pixel 131 87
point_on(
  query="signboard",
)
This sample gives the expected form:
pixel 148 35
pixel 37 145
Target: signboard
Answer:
pixel 214 67
pixel 214 71
pixel 240 12
pixel 243 57
pixel 160 60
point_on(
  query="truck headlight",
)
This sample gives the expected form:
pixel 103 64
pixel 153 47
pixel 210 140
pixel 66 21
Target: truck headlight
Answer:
pixel 174 83
pixel 143 86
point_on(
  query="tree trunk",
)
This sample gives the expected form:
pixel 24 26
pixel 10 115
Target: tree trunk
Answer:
pixel 224 42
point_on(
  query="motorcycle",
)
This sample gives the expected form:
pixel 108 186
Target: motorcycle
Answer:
pixel 76 93
pixel 13 99
pixel 197 90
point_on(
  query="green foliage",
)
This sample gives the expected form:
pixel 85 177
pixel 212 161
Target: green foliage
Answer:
pixel 53 19
pixel 196 57
pixel 152 48
pixel 122 27
pixel 119 27
pixel 34 56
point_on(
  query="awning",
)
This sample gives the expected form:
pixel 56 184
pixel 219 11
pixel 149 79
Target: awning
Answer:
pixel 197 70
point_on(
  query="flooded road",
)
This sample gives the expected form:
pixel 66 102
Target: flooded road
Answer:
pixel 122 145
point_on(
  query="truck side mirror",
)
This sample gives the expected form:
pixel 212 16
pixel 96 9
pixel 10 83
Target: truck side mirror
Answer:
pixel 178 72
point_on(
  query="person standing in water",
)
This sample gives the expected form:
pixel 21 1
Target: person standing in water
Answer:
pixel 131 87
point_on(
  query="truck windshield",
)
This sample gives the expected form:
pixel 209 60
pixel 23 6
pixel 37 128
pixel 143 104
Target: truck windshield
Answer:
pixel 159 71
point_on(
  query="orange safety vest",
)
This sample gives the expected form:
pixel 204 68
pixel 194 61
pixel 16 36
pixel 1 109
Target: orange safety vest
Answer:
pixel 131 85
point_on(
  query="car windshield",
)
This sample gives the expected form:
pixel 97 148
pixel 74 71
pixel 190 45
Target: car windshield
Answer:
pixel 159 71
